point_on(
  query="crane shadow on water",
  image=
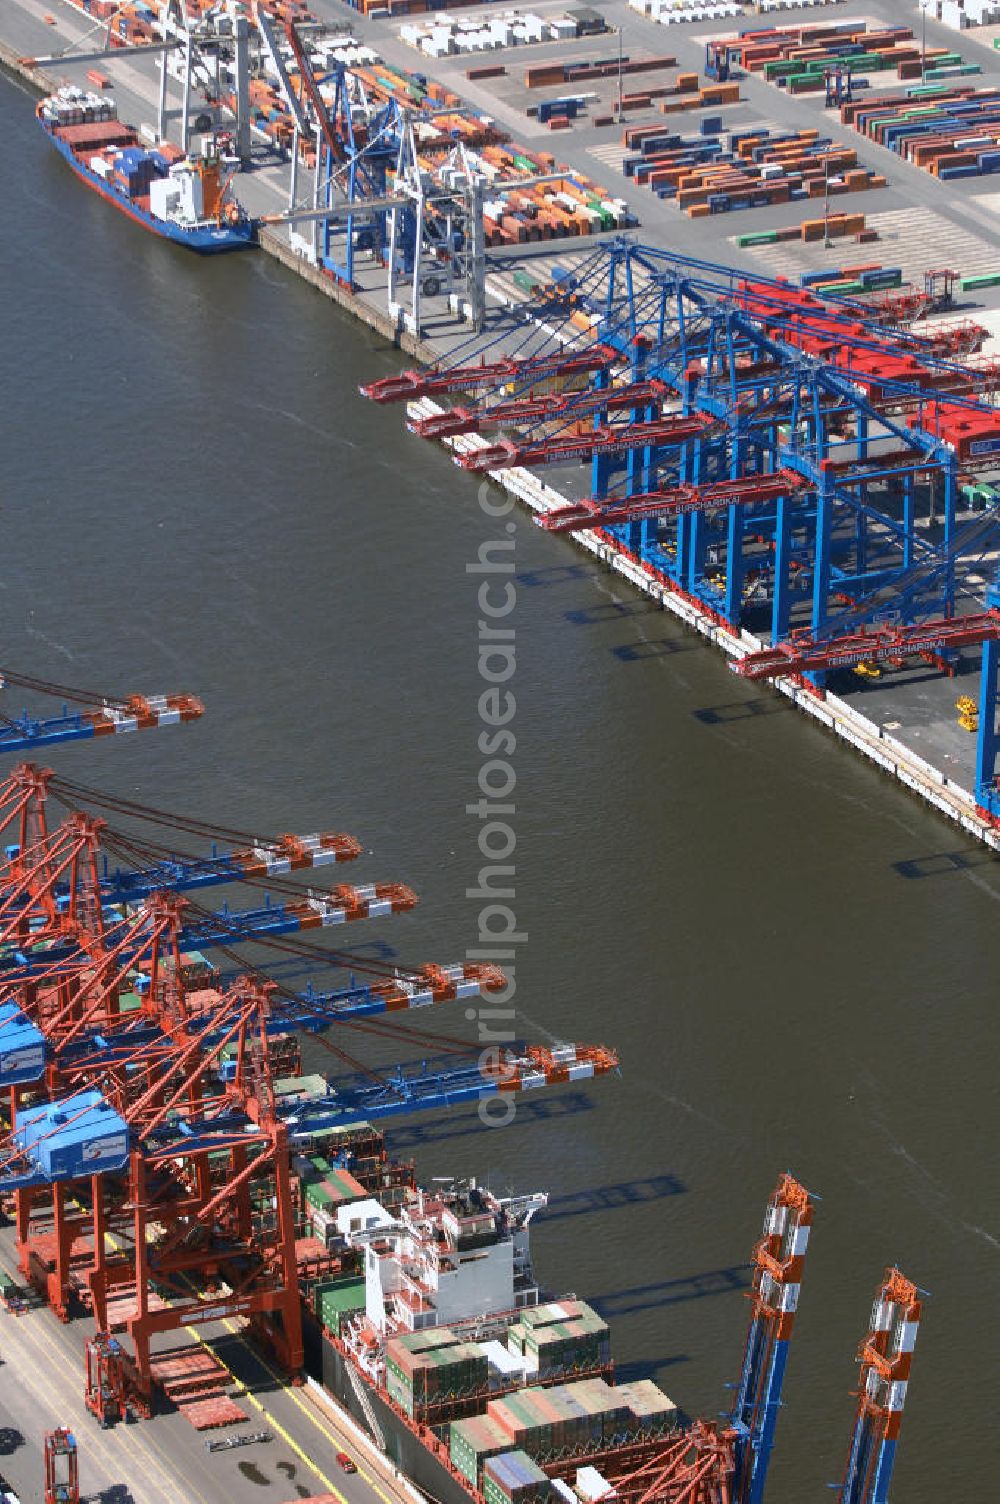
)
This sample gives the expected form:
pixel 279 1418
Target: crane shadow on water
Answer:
pixel 941 863
pixel 648 1368
pixel 555 574
pixel 464 1122
pixel 605 611
pixel 670 1292
pixel 660 647
pixel 741 710
pixel 603 1198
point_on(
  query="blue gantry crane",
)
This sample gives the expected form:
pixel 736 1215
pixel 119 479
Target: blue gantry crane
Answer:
pixel 787 462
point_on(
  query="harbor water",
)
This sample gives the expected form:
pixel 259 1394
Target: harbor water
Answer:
pixel 795 960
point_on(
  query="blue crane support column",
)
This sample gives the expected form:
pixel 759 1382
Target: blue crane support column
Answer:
pixel 909 517
pixel 988 742
pixel 822 562
pixel 778 1259
pixel 735 568
pixel 601 464
pixel 690 528
pixel 781 608
pixel 639 462
pixel 886 1357
pixel 950 502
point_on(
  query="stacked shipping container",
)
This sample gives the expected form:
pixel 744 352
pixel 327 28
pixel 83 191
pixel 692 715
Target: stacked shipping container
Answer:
pixel 797 57
pixel 744 170
pixel 949 133
pixel 424 1369
pixel 567 1420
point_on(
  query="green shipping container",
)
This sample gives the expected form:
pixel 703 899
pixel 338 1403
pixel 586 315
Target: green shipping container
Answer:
pixel 338 1298
pixel 472 1441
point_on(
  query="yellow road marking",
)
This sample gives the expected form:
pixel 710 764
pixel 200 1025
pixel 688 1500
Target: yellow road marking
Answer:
pixel 315 1420
pixel 287 1389
pixel 245 1393
pixel 96 1444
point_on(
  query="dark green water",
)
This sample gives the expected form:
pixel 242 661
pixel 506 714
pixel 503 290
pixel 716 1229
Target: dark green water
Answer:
pixel 795 960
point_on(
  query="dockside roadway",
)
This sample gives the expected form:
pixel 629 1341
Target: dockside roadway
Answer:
pixel 165 1460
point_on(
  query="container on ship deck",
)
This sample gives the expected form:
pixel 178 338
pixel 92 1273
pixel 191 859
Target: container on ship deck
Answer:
pixel 336 1298
pixel 472 1441
pixel 652 1409
pixel 344 1187
pixel 513 1478
pixel 516 1334
pixel 431 1336
pixel 528 1425
pixel 415 1380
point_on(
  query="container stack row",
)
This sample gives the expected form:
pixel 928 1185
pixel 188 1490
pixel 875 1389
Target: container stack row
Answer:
pixel 683 92
pixel 797 58
pixel 951 133
pixel 851 280
pixel 829 227
pixel 713 174
pixel 545 75
pixel 566 1420
pixel 513 1478
pixel 560 1336
pixel 323 1189
pixel 338 1300
pixel 508 28
pixel 425 1368
pixel 669 11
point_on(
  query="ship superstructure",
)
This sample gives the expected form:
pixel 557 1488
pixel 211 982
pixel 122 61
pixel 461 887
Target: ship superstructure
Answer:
pixel 453 1255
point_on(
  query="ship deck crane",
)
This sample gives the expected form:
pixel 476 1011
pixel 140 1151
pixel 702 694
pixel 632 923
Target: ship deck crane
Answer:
pixel 777 1277
pixel 885 1356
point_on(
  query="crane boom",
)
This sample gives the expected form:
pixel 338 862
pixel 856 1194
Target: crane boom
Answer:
pixel 869 645
pixel 673 501
pixel 777 1277
pixel 607 439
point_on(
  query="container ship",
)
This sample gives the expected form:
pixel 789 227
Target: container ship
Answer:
pixel 423 1317
pixel 183 199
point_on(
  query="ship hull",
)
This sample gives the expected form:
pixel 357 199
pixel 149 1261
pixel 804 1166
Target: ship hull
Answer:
pixel 405 1450
pixel 207 240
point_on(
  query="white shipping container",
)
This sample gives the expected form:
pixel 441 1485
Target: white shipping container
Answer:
pixel 591 1485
